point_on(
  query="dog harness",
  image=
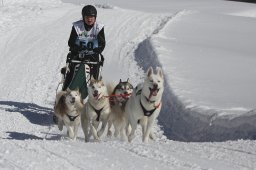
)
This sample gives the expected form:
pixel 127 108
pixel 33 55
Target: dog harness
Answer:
pixel 72 118
pixel 98 112
pixel 146 112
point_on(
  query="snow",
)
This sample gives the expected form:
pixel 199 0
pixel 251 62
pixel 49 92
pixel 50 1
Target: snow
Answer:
pixel 205 47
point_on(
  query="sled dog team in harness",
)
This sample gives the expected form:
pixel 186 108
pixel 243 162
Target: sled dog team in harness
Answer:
pixel 87 101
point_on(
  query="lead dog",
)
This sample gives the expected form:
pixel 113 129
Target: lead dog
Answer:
pixel 96 110
pixel 145 103
pixel 119 96
pixel 67 109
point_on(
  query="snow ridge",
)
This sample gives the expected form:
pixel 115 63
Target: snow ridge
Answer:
pixel 182 123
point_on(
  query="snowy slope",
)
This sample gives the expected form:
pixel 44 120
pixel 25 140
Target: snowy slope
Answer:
pixel 33 48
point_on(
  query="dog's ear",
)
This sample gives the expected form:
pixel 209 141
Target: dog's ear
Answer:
pixel 92 80
pixel 68 90
pixel 120 81
pixel 160 72
pixel 77 89
pixel 150 71
pixel 128 80
pixel 100 78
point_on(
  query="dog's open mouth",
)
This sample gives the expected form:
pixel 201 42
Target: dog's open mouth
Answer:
pixel 153 91
pixel 126 95
pixel 72 100
pixel 96 95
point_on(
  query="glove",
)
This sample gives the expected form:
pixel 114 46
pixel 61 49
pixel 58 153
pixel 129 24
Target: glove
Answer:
pixel 75 49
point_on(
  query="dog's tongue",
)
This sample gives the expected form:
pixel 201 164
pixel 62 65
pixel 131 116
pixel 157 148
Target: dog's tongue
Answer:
pixel 96 96
pixel 154 93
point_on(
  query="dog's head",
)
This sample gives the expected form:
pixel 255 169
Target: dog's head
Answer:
pixel 67 100
pixel 72 97
pixel 97 89
pixel 153 84
pixel 123 90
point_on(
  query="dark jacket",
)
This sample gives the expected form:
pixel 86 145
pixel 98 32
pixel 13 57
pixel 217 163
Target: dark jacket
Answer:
pixel 73 36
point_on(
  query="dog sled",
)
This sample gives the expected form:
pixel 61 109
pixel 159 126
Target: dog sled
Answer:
pixel 83 67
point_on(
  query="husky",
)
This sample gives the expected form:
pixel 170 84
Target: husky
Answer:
pixel 96 110
pixel 67 109
pixel 119 96
pixel 144 105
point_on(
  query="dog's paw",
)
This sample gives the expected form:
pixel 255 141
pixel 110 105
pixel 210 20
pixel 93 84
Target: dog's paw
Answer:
pixel 60 126
pixel 152 136
pixel 131 137
pixel 109 134
pixel 100 133
pixel 71 134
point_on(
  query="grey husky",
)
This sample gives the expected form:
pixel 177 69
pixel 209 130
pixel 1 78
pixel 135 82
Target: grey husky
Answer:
pixel 118 98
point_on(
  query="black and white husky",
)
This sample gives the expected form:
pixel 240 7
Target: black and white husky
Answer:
pixel 145 103
pixel 96 110
pixel 118 98
pixel 67 109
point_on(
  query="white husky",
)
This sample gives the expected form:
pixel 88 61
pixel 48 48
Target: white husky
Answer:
pixel 96 110
pixel 68 107
pixel 119 96
pixel 145 103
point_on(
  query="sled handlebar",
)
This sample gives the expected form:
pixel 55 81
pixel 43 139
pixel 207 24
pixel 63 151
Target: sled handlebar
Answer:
pixel 84 62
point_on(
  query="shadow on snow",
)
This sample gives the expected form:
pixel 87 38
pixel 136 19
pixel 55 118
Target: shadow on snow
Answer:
pixel 34 113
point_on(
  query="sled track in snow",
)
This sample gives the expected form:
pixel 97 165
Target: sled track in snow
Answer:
pixel 192 124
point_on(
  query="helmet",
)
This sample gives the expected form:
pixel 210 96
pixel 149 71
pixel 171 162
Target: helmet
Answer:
pixel 89 10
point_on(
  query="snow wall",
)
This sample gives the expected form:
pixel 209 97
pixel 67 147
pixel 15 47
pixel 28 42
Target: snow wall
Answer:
pixel 194 124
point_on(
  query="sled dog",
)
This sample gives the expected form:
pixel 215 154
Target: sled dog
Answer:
pixel 145 103
pixel 119 96
pixel 96 110
pixel 67 109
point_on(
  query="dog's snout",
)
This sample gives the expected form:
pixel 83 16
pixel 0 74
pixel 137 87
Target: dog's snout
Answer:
pixel 155 86
pixel 96 92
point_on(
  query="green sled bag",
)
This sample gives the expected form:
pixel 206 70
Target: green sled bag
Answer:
pixel 79 81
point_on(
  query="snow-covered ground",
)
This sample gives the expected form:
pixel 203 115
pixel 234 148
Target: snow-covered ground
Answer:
pixel 205 47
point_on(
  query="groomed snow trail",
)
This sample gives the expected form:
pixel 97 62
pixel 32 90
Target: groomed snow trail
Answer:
pixel 32 55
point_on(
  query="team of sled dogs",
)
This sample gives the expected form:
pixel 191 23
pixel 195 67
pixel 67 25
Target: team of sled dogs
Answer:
pixel 122 106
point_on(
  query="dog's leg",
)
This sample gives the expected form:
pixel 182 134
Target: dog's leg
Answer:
pixel 103 126
pixel 132 134
pixel 109 134
pixel 75 130
pixel 148 130
pixel 85 127
pixel 94 131
pixel 123 133
pixel 117 129
pixel 143 123
pixel 60 124
pixel 70 132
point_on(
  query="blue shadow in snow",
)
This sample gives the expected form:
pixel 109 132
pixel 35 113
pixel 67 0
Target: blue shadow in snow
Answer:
pixel 35 114
pixel 24 136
